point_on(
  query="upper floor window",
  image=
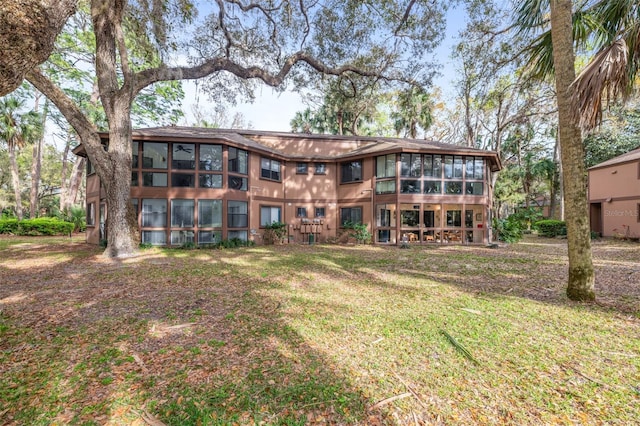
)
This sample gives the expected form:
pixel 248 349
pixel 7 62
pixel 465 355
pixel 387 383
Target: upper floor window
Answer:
pixel 351 171
pixel 474 168
pixel 320 168
pixel 90 169
pixel 183 156
pixel 302 168
pixel 270 169
pixel 432 166
pixel 452 167
pixel 238 161
pixel 386 166
pixel 154 155
pixel 410 165
pixel 134 154
pixel 210 157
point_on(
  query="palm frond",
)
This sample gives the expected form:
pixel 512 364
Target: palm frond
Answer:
pixel 604 79
pixel 459 347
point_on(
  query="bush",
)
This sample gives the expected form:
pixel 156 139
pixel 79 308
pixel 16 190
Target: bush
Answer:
pixel 359 231
pixel 551 228
pixel 274 233
pixel 38 226
pixel 510 229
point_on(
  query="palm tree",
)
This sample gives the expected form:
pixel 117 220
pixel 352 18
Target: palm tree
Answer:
pixel 414 109
pixel 16 130
pixel 531 15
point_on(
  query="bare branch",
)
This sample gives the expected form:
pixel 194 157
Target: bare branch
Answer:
pixel 404 17
pixel 154 75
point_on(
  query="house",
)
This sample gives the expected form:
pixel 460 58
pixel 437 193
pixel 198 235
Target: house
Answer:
pixel 614 196
pixel 197 185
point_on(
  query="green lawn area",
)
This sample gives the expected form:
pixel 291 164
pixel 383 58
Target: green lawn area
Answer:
pixel 322 334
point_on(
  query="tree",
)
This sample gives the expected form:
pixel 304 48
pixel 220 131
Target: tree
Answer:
pixel 29 30
pixel 413 111
pixel 581 273
pixel 236 43
pixel 16 130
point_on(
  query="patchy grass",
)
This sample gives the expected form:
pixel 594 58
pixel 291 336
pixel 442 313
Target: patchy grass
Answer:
pixel 295 335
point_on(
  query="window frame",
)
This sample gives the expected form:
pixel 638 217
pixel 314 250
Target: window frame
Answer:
pixel 267 171
pixel 271 209
pixel 301 212
pixel 351 210
pixel 91 214
pixel 319 168
pixel 302 168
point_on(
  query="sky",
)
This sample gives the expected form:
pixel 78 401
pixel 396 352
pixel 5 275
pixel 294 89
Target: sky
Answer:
pixel 272 111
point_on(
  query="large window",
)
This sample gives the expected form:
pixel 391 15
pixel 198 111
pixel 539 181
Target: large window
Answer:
pixel 237 214
pixel 270 169
pixel 210 157
pixel 269 215
pixel 238 161
pixel 154 179
pixel 386 166
pixel 351 215
pixel 157 238
pixel 386 186
pixel 351 171
pixel 210 213
pixel 410 215
pixel 238 182
pixel 432 166
pixel 454 218
pixel 184 180
pixel 154 213
pixel 154 155
pixel 184 156
pixel 410 186
pixel 208 180
pixel 410 165
pixel 182 213
pixel 474 168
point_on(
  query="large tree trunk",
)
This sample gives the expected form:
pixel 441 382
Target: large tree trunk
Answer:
pixel 28 32
pixel 581 274
pixel 15 180
pixel 75 179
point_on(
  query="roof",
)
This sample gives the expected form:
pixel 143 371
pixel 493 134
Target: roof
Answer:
pixel 624 158
pixel 258 141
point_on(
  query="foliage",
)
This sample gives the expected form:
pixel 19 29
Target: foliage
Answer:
pixel 508 230
pixel 617 135
pixel 359 231
pixel 77 216
pixel 274 233
pixel 551 228
pixel 35 227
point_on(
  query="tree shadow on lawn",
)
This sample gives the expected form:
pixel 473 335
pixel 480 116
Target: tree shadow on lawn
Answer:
pixel 184 340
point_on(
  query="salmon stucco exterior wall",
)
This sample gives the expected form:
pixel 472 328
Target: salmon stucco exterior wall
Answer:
pixel 202 186
pixel 614 196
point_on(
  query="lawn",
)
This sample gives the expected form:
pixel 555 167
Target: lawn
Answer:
pixel 322 334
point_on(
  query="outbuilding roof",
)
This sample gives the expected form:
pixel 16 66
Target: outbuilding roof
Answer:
pixel 624 158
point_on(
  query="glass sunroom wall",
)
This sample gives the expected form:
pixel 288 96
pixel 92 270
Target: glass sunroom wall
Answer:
pixel 386 223
pixel 453 223
pixel 431 226
pixel 410 222
pixel 474 223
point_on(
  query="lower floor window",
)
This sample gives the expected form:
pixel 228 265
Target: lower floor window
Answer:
pixel 237 214
pixel 209 237
pixel 269 215
pixel 351 215
pixel 182 237
pixel 241 235
pixel 157 238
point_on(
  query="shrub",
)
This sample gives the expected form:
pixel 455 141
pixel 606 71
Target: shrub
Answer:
pixel 274 233
pixel 510 229
pixel 37 226
pixel 551 228
pixel 359 231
